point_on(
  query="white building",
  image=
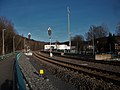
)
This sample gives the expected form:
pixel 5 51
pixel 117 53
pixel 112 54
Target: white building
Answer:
pixel 57 47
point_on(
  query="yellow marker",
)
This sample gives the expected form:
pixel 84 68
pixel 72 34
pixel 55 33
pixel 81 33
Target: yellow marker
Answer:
pixel 41 72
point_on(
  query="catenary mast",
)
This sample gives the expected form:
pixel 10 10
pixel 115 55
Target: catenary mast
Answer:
pixel 69 34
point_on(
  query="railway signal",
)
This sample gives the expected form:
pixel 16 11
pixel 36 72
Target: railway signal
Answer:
pixel 49 33
pixel 28 47
pixel 29 35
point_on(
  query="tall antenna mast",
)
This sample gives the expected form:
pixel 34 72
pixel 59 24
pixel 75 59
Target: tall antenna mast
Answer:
pixel 69 36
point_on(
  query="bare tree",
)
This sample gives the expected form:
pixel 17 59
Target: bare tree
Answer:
pixel 96 32
pixel 9 32
pixel 96 35
pixel 18 40
pixel 77 41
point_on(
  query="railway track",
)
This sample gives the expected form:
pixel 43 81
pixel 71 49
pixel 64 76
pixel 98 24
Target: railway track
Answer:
pixel 108 76
pixel 114 63
pixel 82 58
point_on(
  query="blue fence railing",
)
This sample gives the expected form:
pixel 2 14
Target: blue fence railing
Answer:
pixel 20 80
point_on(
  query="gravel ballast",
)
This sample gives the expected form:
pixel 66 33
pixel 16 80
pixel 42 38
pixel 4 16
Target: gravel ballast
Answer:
pixel 35 81
pixel 79 80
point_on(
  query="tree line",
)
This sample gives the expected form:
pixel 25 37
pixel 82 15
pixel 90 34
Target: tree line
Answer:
pixel 99 37
pixel 19 41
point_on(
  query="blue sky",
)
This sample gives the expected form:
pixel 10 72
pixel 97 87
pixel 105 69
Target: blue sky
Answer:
pixel 36 16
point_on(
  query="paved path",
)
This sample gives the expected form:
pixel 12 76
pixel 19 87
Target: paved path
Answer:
pixel 6 73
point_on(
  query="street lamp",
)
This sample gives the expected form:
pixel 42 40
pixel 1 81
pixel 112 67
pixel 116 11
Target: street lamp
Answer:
pixel 49 33
pixel 3 52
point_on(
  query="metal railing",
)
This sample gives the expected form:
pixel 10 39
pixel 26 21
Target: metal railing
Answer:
pixel 19 76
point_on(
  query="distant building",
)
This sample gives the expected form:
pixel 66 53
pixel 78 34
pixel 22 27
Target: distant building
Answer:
pixel 117 46
pixel 57 47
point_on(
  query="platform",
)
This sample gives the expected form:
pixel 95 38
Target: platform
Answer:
pixel 7 73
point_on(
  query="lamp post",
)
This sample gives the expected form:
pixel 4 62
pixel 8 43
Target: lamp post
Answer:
pixel 49 33
pixel 13 44
pixel 3 52
pixel 93 41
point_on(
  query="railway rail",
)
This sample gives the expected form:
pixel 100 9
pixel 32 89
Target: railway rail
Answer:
pixel 108 76
pixel 83 58
pixel 94 64
pixel 114 63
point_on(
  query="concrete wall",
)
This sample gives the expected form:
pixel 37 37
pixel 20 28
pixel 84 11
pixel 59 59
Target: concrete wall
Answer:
pixel 103 56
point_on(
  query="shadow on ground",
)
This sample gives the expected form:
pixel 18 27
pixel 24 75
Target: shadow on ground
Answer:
pixel 7 85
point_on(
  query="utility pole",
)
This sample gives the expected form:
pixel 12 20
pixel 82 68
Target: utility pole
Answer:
pixel 110 47
pixel 3 52
pixel 24 42
pixel 69 36
pixel 13 44
pixel 93 43
pixel 93 40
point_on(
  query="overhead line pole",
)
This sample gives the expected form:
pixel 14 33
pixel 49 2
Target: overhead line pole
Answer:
pixel 69 36
pixel 93 44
